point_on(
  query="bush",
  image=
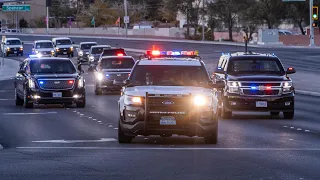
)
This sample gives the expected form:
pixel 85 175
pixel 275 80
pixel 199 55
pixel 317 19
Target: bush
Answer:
pixel 23 23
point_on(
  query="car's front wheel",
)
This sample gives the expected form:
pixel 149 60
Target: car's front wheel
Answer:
pixel 26 102
pixel 225 114
pixel 19 101
pixel 122 138
pixel 82 103
pixel 288 115
pixel 213 138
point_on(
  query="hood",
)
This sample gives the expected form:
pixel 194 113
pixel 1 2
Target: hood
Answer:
pixel 44 49
pixel 14 46
pixel 142 90
pixel 260 77
pixel 64 46
pixel 116 70
pixel 54 76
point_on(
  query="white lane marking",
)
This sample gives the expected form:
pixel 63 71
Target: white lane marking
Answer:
pixel 182 148
pixel 94 119
pixel 110 126
pixel 285 126
pixel 307 130
pixel 75 111
pixel 4 91
pixel 115 128
pixel 7 99
pixel 76 141
pixel 12 114
pixel 299 129
pixel 90 85
pixel 90 117
pixel 291 127
pixel 99 121
pixel 81 114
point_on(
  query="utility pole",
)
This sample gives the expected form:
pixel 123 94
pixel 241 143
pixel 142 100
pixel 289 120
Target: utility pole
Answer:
pixel 311 27
pixel 126 14
pixel 203 37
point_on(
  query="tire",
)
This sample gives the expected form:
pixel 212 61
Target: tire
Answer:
pixel 81 104
pixel 19 101
pixel 288 115
pixel 213 138
pixel 26 104
pixel 98 91
pixel 274 113
pixel 122 138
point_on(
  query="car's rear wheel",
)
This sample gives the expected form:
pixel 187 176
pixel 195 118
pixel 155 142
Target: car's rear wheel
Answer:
pixel 288 115
pixel 225 114
pixel 122 138
pixel 26 102
pixel 19 101
pixel 82 103
pixel 213 138
pixel 274 113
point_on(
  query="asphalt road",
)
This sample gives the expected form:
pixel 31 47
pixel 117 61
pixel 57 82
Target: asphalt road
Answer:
pixel 53 142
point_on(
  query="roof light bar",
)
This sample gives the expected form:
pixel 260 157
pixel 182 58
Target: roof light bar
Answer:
pixel 157 53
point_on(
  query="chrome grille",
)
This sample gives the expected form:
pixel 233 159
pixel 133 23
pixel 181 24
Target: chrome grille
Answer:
pixel 275 88
pixel 56 84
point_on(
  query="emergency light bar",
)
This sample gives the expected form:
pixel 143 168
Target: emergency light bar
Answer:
pixel 35 56
pixel 183 54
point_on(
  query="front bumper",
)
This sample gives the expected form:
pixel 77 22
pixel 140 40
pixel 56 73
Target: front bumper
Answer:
pixel 39 96
pixel 284 103
pixel 108 85
pixel 15 51
pixel 135 121
pixel 64 51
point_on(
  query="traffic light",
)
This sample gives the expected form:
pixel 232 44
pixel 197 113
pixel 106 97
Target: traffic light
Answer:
pixel 315 24
pixel 315 13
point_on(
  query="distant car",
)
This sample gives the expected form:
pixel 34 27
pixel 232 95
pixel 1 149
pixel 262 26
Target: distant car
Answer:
pixel 83 51
pixel 12 46
pixel 286 32
pixel 110 69
pixel 95 54
pixel 63 46
pixel 43 48
pixel 49 80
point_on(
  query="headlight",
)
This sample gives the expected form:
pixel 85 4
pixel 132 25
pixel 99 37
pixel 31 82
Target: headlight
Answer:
pixel 57 49
pixel 39 55
pixel 80 53
pixel 200 100
pixel 52 51
pixel 287 87
pixel 37 52
pixel 91 58
pixel 233 87
pixel 71 48
pixel 132 100
pixel 8 49
pixel 99 76
pixel 21 48
pixel 31 84
pixel 81 82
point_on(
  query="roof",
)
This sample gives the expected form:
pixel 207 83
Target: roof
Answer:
pixel 99 46
pixel 113 48
pixel 49 58
pixel 107 57
pixel 37 41
pixel 12 39
pixel 57 38
pixel 88 43
pixel 167 62
pixel 249 54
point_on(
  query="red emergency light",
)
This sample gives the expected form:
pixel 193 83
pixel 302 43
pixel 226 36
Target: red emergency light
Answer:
pixel 70 81
pixel 119 54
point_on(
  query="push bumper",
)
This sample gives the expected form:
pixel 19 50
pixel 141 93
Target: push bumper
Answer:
pixel 46 97
pixel 284 103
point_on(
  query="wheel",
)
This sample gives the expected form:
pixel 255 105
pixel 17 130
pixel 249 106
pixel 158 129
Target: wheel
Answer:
pixel 19 101
pixel 225 114
pixel 26 104
pixel 81 104
pixel 213 138
pixel 274 113
pixel 122 138
pixel 288 115
pixel 98 91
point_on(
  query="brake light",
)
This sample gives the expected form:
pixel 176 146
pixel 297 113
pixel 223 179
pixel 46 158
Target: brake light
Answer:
pixel 70 82
pixel 119 54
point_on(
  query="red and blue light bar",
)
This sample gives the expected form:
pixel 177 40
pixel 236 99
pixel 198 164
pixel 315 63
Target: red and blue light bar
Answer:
pixel 157 53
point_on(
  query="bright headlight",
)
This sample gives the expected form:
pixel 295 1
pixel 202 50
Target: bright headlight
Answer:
pixel 57 49
pixel 132 100
pixel 80 53
pixel 99 76
pixel 200 100
pixel 81 82
pixel 233 87
pixel 52 51
pixel 31 84
pixel 91 58
pixel 37 52
pixel 287 87
pixel 71 48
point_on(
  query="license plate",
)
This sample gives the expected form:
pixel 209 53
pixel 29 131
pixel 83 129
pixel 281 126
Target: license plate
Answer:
pixel 64 52
pixel 261 104
pixel 168 120
pixel 15 52
pixel 87 52
pixel 57 94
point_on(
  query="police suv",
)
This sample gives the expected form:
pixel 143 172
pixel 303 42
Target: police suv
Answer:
pixel 255 82
pixel 169 93
pixel 49 80
pixel 110 69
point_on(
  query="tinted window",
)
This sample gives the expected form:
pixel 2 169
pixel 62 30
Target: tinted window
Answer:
pixel 87 46
pixel 43 45
pixel 113 52
pixel 256 66
pixel 97 50
pixel 52 66
pixel 63 42
pixel 170 75
pixel 117 63
pixel 13 42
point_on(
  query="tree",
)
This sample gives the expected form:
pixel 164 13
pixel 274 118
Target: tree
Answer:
pixel 23 23
pixel 298 12
pixel 60 10
pixel 271 12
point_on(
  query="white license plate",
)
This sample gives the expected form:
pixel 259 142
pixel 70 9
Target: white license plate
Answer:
pixel 15 52
pixel 64 52
pixel 261 104
pixel 57 94
pixel 168 120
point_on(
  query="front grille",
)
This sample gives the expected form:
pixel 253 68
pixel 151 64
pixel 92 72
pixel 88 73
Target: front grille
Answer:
pixel 14 49
pixel 260 93
pixel 55 84
pixel 155 101
pixel 260 84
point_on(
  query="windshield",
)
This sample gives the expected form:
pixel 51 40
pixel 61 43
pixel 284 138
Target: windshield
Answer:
pixel 64 42
pixel 87 46
pixel 256 66
pixel 13 42
pixel 44 45
pixel 52 66
pixel 170 75
pixel 97 50
pixel 113 52
pixel 117 63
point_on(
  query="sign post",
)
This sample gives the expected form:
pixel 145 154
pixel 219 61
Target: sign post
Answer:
pixel 2 49
pixel 126 18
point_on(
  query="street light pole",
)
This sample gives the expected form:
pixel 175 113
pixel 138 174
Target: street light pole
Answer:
pixel 47 20
pixel 126 14
pixel 311 27
pixel 203 37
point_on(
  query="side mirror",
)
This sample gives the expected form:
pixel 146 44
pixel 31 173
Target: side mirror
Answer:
pixel 219 70
pixel 22 43
pixel 21 71
pixel 291 70
pixel 72 42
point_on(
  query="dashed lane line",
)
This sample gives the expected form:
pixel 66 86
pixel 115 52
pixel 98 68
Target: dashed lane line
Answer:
pixel 7 99
pixel 42 113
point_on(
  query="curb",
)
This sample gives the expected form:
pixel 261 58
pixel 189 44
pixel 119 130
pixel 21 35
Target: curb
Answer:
pixel 172 40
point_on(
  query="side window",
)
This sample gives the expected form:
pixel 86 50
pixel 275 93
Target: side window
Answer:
pixel 225 66
pixel 220 61
pixel 223 63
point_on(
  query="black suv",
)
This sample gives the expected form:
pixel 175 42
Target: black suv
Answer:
pixel 49 81
pixel 255 82
pixel 110 69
